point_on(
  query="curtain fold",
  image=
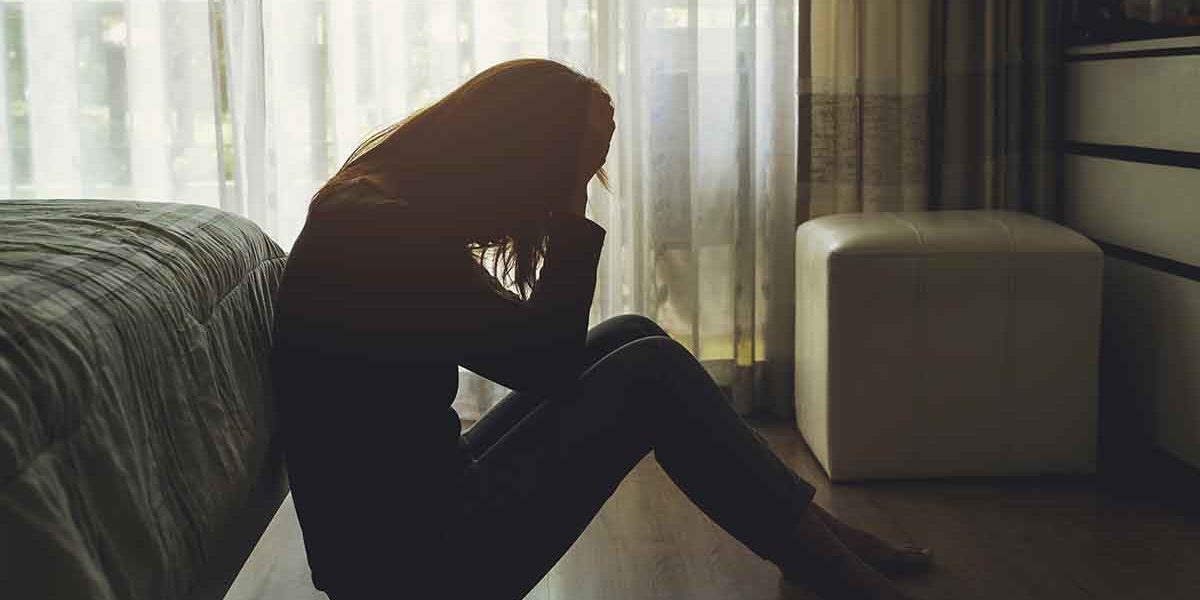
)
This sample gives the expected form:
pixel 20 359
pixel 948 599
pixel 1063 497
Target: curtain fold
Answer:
pixel 869 92
pixel 995 137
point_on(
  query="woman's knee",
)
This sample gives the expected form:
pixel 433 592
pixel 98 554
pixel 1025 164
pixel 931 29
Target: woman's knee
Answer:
pixel 615 332
pixel 629 326
pixel 639 323
pixel 649 354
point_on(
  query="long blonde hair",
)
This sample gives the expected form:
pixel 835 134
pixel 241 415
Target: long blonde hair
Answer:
pixel 500 149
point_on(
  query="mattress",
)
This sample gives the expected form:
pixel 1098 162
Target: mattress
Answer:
pixel 135 410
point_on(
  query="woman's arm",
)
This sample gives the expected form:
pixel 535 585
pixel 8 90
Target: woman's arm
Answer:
pixel 536 345
pixel 407 299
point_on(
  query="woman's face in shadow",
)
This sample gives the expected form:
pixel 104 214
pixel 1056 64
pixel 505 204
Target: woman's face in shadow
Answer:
pixel 597 134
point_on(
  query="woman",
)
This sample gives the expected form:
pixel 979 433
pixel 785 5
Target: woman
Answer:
pixel 386 293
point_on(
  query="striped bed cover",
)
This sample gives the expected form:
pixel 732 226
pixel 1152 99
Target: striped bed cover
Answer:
pixel 135 412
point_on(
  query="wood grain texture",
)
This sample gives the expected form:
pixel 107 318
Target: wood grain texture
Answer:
pixel 1036 538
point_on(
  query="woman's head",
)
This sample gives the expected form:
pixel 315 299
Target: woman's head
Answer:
pixel 492 160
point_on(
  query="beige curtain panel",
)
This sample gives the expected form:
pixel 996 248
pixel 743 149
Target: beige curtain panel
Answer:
pixel 921 104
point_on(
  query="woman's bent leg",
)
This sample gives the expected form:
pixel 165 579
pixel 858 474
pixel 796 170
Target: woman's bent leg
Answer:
pixel 533 492
pixel 606 336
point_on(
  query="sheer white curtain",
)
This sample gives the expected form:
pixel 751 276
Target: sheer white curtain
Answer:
pixel 249 105
pixel 112 99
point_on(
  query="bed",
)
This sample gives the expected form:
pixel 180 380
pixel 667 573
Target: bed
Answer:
pixel 138 455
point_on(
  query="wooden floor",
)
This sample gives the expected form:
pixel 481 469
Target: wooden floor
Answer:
pixel 1057 539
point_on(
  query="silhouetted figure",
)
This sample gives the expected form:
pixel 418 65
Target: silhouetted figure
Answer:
pixel 385 295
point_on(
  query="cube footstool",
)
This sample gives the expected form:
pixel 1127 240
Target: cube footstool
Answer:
pixel 946 343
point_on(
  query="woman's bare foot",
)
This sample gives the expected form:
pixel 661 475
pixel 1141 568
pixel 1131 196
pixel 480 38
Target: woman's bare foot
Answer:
pixel 823 563
pixel 887 558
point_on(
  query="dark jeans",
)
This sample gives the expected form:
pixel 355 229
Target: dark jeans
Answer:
pixel 544 466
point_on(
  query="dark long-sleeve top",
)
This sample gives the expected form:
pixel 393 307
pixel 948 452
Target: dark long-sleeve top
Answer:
pixel 376 310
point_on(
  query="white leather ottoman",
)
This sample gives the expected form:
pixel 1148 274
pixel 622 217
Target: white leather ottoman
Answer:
pixel 946 343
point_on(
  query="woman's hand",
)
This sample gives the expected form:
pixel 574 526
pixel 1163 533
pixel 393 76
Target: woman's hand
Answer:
pixel 593 149
pixel 577 203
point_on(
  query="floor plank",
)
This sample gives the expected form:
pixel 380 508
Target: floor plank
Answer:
pixel 1023 538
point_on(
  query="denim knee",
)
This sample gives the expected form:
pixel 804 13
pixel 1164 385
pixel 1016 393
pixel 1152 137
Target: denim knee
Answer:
pixel 635 322
pixel 651 353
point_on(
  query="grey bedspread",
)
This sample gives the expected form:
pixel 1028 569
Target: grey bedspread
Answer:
pixel 135 405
